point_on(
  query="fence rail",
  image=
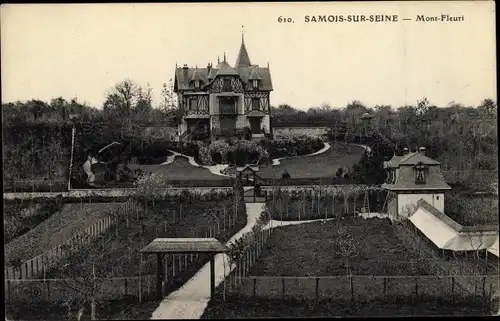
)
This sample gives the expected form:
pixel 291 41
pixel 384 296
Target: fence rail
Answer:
pixel 19 186
pixel 54 290
pixel 360 287
pixel 40 264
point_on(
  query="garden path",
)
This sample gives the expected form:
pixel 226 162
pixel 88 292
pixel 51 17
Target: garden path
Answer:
pixel 215 169
pixel 277 161
pixel 190 301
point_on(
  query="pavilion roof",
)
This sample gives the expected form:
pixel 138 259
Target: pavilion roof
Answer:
pixel 185 245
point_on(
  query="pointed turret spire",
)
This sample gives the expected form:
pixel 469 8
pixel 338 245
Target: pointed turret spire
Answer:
pixel 243 59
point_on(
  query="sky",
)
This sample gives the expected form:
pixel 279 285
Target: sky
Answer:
pixel 82 50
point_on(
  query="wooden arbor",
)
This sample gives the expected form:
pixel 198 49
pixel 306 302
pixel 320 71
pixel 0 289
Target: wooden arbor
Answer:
pixel 162 246
pixel 245 171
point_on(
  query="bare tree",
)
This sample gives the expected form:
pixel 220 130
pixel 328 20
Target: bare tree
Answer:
pixel 347 246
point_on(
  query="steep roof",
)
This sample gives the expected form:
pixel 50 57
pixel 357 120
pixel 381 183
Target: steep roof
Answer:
pixel 184 245
pixel 415 158
pixel 406 180
pixel 203 73
pixel 243 59
pixel 243 68
pixel 446 233
pixel 411 159
pixel 225 69
pixel 254 74
pixel 196 75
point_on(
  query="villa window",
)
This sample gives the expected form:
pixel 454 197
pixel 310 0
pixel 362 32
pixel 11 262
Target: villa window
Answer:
pixel 420 174
pixel 227 85
pixel 196 84
pixel 192 104
pixel 255 104
pixel 255 84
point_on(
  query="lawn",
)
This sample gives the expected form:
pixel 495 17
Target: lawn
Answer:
pixel 318 166
pixel 57 228
pixel 322 165
pixel 179 169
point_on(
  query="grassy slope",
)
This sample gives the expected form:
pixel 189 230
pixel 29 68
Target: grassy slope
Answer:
pixel 53 231
pixel 322 165
pixel 20 217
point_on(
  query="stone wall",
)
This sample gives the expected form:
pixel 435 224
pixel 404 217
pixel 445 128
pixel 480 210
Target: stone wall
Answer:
pixel 164 132
pixel 284 132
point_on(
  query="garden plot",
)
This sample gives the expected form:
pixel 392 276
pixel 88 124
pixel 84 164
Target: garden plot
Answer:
pixel 72 218
pixel 21 216
pixel 312 249
pixel 119 256
pixel 307 271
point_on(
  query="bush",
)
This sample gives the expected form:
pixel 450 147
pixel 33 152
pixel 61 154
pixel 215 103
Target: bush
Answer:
pixel 292 146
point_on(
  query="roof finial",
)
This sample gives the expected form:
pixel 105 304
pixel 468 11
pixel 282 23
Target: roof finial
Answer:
pixel 218 59
pixel 268 64
pixel 242 33
pixel 224 56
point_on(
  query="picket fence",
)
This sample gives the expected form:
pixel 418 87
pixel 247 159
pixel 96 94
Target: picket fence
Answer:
pixel 40 264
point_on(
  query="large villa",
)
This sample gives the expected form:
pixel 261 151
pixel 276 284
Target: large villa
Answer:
pixel 225 99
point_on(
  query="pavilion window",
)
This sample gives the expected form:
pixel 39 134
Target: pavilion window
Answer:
pixel 197 84
pixel 255 84
pixel 255 104
pixel 420 174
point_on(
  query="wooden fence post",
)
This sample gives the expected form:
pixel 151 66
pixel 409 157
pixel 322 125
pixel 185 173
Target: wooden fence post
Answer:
pixel 351 283
pixel 317 288
pixel 254 286
pixel 385 288
pixel 283 287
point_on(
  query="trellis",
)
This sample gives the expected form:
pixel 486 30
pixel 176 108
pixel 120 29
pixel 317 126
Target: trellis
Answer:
pixel 315 194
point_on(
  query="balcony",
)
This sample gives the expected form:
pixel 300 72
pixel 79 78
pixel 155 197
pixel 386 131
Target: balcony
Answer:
pixel 227 109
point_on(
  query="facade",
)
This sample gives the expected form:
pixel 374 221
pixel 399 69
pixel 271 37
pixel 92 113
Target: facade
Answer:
pixel 410 178
pixel 224 100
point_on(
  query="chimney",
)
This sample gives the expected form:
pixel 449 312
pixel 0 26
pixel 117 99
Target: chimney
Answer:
pixel 209 68
pixel 185 73
pixel 405 151
pixel 421 150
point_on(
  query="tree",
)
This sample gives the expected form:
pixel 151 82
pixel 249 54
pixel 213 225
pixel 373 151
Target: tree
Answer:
pixel 149 187
pixel 122 98
pixel 347 246
pixel 169 97
pixel 144 103
pixel 88 279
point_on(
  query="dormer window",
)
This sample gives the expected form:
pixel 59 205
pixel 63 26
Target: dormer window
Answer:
pixel 197 84
pixel 420 174
pixel 255 83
